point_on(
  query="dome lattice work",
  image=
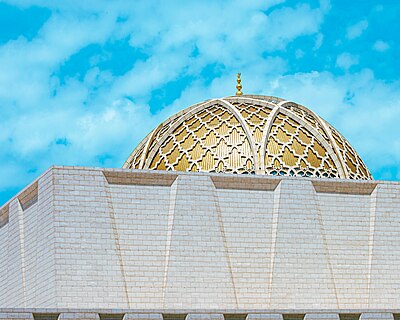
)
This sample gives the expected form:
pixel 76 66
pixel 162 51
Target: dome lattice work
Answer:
pixel 249 135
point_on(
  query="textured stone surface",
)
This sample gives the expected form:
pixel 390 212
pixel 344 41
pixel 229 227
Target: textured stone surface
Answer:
pixel 79 316
pixel 265 316
pixel 321 316
pixel 376 316
pixel 15 316
pixel 143 316
pixel 205 243
pixel 205 316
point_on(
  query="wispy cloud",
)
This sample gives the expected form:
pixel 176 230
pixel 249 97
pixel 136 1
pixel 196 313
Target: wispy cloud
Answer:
pixel 346 60
pixel 356 30
pixel 381 46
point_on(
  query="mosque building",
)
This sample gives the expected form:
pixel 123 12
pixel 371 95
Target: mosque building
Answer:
pixel 239 208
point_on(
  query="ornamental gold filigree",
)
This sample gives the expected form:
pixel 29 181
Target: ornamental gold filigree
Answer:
pixel 249 135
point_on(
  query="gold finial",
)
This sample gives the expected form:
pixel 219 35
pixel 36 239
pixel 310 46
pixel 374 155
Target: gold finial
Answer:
pixel 239 85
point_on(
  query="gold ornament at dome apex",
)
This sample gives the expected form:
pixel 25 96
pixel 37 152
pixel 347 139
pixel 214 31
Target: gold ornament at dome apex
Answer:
pixel 239 85
pixel 248 134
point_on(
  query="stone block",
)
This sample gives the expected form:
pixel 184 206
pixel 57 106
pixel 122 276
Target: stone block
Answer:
pixel 79 316
pixel 143 316
pixel 16 316
pixel 321 316
pixel 264 316
pixel 205 316
pixel 376 316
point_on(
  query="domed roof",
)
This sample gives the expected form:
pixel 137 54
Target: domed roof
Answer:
pixel 250 135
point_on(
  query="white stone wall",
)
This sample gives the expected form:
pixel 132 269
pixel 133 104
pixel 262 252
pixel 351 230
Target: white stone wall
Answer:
pixel 88 269
pixel 115 239
pixel 4 260
pixel 27 255
pixel 141 229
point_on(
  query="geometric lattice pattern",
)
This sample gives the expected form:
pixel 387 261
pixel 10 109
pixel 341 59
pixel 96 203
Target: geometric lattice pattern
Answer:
pixel 357 168
pixel 249 135
pixel 210 140
pixel 293 150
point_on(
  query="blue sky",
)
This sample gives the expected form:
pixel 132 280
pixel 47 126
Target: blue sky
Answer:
pixel 82 82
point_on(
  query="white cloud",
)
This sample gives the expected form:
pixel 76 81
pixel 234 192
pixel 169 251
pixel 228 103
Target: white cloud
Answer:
pixel 356 30
pixel 346 60
pixel 380 46
pixel 318 41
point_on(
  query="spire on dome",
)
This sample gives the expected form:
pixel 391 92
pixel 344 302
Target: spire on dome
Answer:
pixel 239 85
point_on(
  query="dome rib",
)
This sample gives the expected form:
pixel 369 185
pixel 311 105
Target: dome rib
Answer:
pixel 267 103
pixel 334 146
pixel 146 148
pixel 132 159
pixel 237 113
pixel 249 134
pixel 327 131
pixel 266 133
pixel 317 134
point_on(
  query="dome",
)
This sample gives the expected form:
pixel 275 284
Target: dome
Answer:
pixel 249 135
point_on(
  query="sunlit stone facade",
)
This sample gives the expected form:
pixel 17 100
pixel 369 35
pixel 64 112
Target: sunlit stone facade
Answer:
pixel 93 243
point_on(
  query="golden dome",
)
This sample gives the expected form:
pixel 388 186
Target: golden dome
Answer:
pixel 249 134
